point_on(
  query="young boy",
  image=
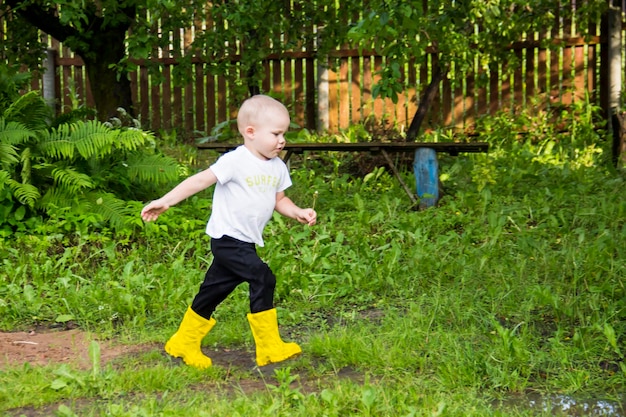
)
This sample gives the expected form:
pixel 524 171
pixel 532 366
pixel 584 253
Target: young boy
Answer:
pixel 250 183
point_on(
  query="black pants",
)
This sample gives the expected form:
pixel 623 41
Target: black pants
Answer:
pixel 235 262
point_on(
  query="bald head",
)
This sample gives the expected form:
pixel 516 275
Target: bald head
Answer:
pixel 257 110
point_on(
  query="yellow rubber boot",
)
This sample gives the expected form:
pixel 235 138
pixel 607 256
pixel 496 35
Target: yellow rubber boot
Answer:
pixel 269 346
pixel 185 343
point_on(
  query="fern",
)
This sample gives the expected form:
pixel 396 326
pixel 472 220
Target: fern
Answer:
pixel 26 194
pixel 89 139
pixel 8 155
pixel 25 159
pixel 157 169
pixel 12 80
pixel 5 176
pixel 55 197
pixel 56 144
pixel 77 166
pixel 112 210
pixel 14 133
pixel 92 138
pixel 70 181
pixel 30 110
pixel 133 139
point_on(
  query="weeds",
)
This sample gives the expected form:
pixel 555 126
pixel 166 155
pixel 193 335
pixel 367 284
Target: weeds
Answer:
pixel 514 283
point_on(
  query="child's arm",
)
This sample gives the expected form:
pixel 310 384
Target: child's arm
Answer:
pixel 187 188
pixel 287 208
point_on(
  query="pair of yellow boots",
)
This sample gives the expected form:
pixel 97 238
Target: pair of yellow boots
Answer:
pixel 270 348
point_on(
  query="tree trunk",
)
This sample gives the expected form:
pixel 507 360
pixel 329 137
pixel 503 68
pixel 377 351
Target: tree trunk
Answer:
pixel 253 83
pixel 425 102
pixel 109 88
pixel 102 47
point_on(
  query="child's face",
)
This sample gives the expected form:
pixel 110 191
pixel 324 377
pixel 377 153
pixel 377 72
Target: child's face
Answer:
pixel 267 138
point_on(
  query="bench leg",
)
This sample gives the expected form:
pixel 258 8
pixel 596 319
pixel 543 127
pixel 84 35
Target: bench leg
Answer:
pixel 287 155
pixel 426 170
pixel 398 176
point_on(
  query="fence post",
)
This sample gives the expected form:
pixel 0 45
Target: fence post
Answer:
pixel 323 121
pixel 614 17
pixel 48 79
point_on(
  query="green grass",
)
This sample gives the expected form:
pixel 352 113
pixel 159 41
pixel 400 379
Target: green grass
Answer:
pixel 513 284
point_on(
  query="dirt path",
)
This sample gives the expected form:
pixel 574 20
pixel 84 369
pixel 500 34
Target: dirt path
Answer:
pixel 72 347
pixel 63 346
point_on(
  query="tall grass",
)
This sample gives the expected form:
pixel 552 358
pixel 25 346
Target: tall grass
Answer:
pixel 514 283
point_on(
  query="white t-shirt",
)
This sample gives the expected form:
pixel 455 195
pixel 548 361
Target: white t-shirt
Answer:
pixel 245 195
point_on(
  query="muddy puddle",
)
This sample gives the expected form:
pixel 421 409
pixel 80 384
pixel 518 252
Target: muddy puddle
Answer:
pixel 564 405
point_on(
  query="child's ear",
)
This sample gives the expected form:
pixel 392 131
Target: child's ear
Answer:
pixel 249 131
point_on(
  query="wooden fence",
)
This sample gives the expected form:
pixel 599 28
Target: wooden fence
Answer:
pixel 336 93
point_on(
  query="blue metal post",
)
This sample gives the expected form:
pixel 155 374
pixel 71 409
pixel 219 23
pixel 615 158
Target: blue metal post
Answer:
pixel 426 170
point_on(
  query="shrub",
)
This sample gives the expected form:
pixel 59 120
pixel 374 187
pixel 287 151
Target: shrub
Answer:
pixel 84 165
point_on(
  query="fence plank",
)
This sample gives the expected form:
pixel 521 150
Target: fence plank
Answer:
pixel 366 89
pixel 288 83
pixel 311 103
pixel 568 82
pixel 299 103
pixel 411 91
pixel 568 56
pixel 222 104
pixel 482 90
pixel 167 98
pixel 579 72
pixel 144 95
pixel 277 77
pixel 494 89
pixel 67 88
pixel 542 71
pixel 134 87
pixel 355 90
pixel 333 98
pixel 447 100
pixel 344 97
pixel 211 117
pixel 505 88
pixel 592 82
pixel 554 61
pixel 518 95
pixel 528 76
pixel 378 102
pixel 199 92
pixel 468 115
pixel 266 84
pixel 436 114
pixel 562 75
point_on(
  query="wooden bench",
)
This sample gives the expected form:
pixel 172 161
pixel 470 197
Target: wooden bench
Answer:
pixel 425 166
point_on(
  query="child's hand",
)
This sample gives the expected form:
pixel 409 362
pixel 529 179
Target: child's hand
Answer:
pixel 307 216
pixel 152 211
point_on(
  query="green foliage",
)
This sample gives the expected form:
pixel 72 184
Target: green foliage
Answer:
pixel 30 110
pixel 302 23
pixel 86 165
pixel 11 81
pixel 462 34
pixel 512 284
pixel 233 43
pixel 232 28
pixel 20 43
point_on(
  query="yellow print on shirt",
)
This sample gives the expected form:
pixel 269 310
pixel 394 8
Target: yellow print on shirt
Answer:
pixel 262 181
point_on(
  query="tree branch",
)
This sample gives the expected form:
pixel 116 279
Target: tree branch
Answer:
pixel 43 19
pixel 425 102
